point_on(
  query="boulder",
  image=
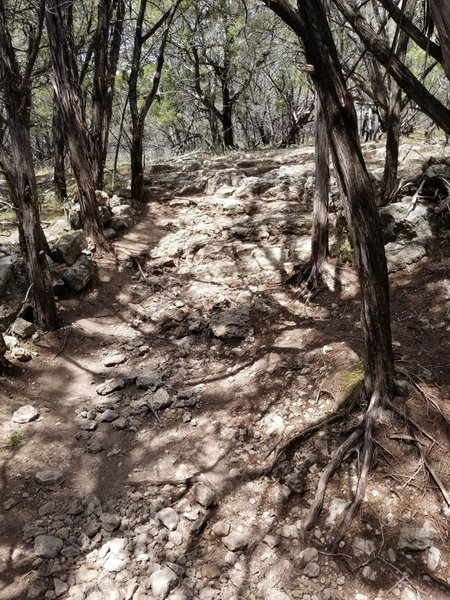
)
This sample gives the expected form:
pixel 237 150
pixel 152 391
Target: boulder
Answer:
pixel 407 221
pixel 417 538
pixel 105 214
pixel 80 274
pixel 69 247
pixel 7 264
pixel 122 210
pixel 74 217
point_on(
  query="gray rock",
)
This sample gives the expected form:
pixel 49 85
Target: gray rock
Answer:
pixel 35 589
pixel 79 274
pixel 400 255
pixel 233 323
pixel 47 509
pixel 69 247
pixel 108 416
pixel 109 233
pixel 49 478
pixel 60 587
pixel 162 582
pixel 160 399
pixel 235 541
pixel 361 546
pixel 114 359
pixel 47 546
pixel 417 538
pixel 114 564
pixel 7 266
pixel 8 504
pixel 122 210
pixel 203 494
pixel 25 414
pixel 110 385
pixel 311 569
pixel 169 517
pixel 221 528
pixel 150 381
pixel 110 521
pixel 23 329
pixel 21 354
pixel 309 554
pixel 75 217
pixel 3 347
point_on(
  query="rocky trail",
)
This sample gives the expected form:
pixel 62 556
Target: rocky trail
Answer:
pixel 136 442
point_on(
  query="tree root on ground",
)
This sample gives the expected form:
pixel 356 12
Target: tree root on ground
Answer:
pixel 361 437
pixel 310 279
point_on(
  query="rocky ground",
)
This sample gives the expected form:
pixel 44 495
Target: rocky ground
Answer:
pixel 136 441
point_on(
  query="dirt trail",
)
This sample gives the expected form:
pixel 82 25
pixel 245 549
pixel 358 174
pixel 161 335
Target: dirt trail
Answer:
pixel 214 363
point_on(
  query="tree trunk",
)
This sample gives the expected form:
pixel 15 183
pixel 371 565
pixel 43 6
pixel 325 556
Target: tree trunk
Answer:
pixel 440 10
pixel 319 234
pixel 66 84
pixel 137 163
pixel 59 147
pixel 393 118
pixel 20 175
pixel 227 116
pixel 100 92
pixel 310 23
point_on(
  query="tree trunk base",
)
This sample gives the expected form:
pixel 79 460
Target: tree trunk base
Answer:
pixel 312 278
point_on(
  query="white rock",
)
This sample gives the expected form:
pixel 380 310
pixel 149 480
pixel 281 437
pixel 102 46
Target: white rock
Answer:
pixel 161 582
pixel 49 478
pixel 203 494
pixel 168 517
pixel 433 558
pixel 25 414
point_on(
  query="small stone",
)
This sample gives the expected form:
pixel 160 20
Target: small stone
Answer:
pixel 109 416
pixel 110 522
pixel 23 329
pixel 309 554
pixel 210 571
pixel 47 509
pixel 49 478
pixel 235 541
pixel 433 558
pixel 203 494
pixel 337 507
pixel 362 546
pixel 169 517
pixel 311 569
pixel 120 423
pixel 60 587
pixel 47 546
pixel 114 564
pixel 25 414
pixel 160 399
pixel 272 540
pixel 89 426
pixel 221 528
pixel 417 538
pixel 161 582
pixel 8 504
pixel 35 589
pixel 289 531
pixel 114 359
pixel 109 386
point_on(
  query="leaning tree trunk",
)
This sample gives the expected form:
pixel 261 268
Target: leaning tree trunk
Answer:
pixel 310 23
pixel 440 11
pixel 66 84
pixel 227 116
pixel 20 175
pixel 137 162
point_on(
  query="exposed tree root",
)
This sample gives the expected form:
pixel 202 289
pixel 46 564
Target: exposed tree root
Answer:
pixel 311 278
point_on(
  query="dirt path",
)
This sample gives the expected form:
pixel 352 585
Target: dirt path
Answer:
pixel 213 364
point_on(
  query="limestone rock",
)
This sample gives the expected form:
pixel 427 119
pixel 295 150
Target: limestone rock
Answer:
pixel 417 538
pixel 233 323
pixel 235 541
pixel 25 414
pixel 23 329
pixel 49 478
pixel 80 273
pixel 203 494
pixel 47 546
pixel 110 385
pixel 162 581
pixel 111 360
pixel 169 517
pixel 69 247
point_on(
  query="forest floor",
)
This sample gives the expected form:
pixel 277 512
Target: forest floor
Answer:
pixel 171 384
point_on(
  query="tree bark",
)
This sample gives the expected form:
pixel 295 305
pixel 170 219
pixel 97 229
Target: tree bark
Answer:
pixel 393 117
pixel 66 85
pixel 440 10
pixel 59 147
pixel 20 175
pixel 319 234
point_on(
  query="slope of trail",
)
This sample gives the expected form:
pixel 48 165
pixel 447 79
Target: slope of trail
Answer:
pixel 171 384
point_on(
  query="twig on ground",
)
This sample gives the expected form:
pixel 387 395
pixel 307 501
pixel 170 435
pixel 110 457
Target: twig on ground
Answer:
pixel 66 337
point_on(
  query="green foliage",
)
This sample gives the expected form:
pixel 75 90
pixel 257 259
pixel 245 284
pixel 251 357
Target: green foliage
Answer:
pixel 14 440
pixel 447 308
pixel 342 248
pixel 352 378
